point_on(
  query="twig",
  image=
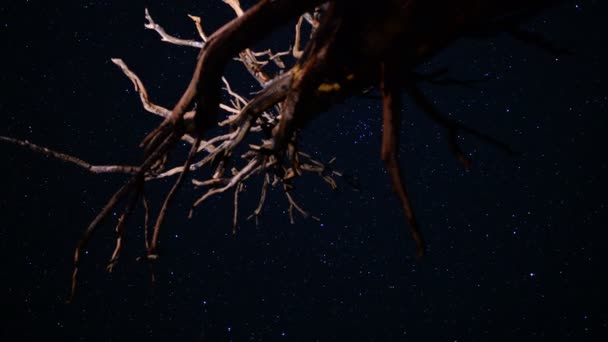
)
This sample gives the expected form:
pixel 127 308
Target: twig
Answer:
pixel 163 211
pixel 113 201
pixel 199 27
pixel 120 226
pixel 453 127
pixel 236 6
pixel 141 89
pixel 258 209
pixel 238 189
pixel 243 174
pixel 165 37
pixel 297 52
pixel 145 100
pixel 71 159
pixel 293 204
pixel 146 204
pixel 238 97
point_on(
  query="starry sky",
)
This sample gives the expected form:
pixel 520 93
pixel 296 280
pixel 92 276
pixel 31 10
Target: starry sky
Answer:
pixel 510 242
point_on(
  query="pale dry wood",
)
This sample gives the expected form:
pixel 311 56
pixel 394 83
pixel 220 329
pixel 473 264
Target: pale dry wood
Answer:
pixel 165 37
pixel 199 27
pixel 258 210
pixel 297 51
pixel 235 215
pixel 172 40
pixel 236 6
pixel 294 205
pixel 241 176
pixel 125 169
pixel 164 112
pixel 148 105
pixel 141 89
pixel 212 182
pixel 248 57
pixel 120 227
pixel 133 182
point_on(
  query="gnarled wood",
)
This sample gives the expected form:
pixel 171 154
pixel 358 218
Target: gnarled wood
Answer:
pixel 355 46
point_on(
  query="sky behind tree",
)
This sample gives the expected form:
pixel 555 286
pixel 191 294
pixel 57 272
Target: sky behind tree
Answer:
pixel 510 242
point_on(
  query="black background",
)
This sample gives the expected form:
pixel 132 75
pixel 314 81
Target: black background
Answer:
pixel 510 242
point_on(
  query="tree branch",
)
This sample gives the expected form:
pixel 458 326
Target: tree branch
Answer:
pixel 71 159
pixel 165 37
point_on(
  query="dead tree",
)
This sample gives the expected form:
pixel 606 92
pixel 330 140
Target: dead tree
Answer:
pixel 354 46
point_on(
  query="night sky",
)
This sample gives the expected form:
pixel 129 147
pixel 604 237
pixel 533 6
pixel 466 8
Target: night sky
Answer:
pixel 510 242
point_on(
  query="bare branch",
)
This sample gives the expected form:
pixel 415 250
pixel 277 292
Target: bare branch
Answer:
pixel 165 37
pixel 199 27
pixel 236 6
pixel 294 205
pixel 239 98
pixel 210 182
pixel 71 159
pixel 311 20
pixel 114 200
pixel 161 216
pixel 242 175
pixel 258 209
pixel 274 57
pixel 141 89
pixel 237 190
pixel 297 52
pixel 146 204
pixel 145 100
pixel 347 54
pixel 390 134
pixel 453 127
pixel 120 226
